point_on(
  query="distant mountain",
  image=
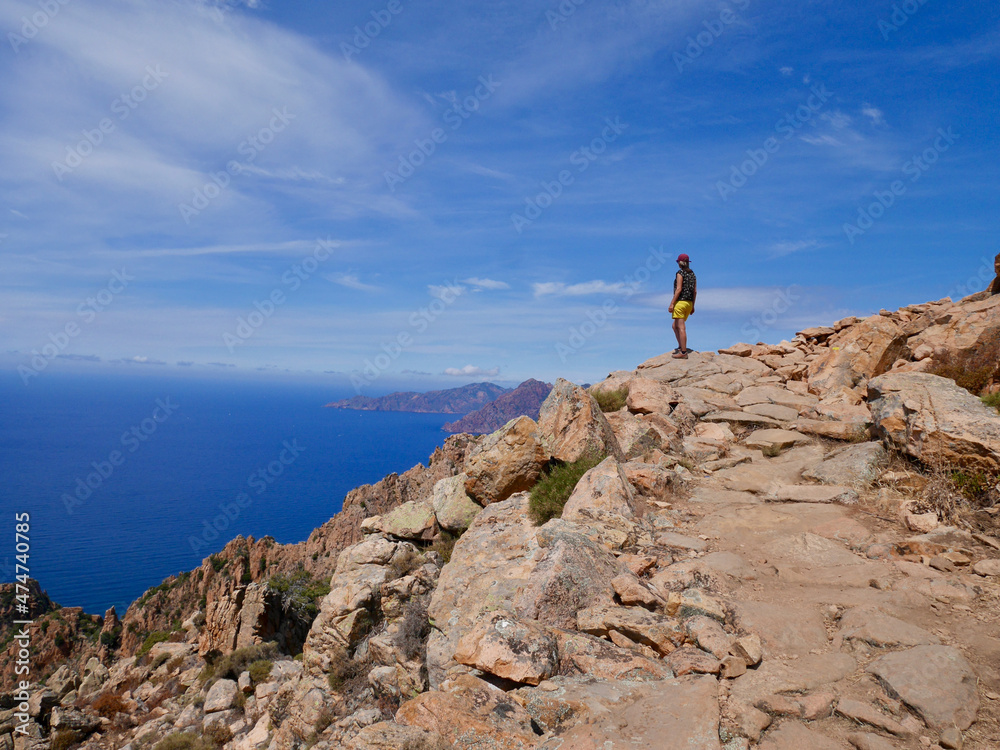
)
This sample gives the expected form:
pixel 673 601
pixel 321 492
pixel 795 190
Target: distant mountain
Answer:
pixel 460 400
pixel 525 400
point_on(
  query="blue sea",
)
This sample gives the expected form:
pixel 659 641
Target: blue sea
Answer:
pixel 123 476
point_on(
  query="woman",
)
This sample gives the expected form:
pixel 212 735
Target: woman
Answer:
pixel 682 304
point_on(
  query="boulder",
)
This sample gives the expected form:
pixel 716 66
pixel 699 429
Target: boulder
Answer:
pixel 453 508
pixel 63 681
pixel 937 682
pixel 647 396
pixel 603 488
pixel 933 420
pixel 507 461
pixel 95 675
pixel 572 425
pixel 504 563
pixel 858 353
pixel 388 735
pixel 74 720
pixel 972 330
pixel 472 713
pixel 504 646
pixel 221 696
pixel 584 655
pixel 856 465
pixel 636 437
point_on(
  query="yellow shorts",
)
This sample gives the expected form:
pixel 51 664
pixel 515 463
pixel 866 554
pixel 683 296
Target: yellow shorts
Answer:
pixel 682 310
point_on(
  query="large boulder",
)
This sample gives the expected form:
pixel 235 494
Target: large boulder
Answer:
pixel 504 646
pixel 646 396
pixel 603 488
pixel 453 507
pixel 503 563
pixel 933 420
pixel 858 354
pixel 572 425
pixel 968 328
pixel 411 520
pixel 509 460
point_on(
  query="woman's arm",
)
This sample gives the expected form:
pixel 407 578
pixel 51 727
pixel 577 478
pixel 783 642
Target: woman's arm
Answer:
pixel 677 292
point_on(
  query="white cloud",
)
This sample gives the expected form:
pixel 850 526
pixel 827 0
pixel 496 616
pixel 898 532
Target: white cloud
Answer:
pixel 780 249
pixel 728 300
pixel 486 283
pixel 786 71
pixel 472 371
pixel 821 140
pixel 351 282
pixel 838 120
pixel 874 114
pixel 557 288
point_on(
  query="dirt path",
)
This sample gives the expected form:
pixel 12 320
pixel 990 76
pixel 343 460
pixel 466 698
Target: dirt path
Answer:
pixel 906 655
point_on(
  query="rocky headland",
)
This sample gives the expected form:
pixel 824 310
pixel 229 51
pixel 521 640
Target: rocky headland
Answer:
pixel 461 400
pixel 525 400
pixel 785 547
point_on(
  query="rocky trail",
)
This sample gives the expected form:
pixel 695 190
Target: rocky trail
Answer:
pixel 770 549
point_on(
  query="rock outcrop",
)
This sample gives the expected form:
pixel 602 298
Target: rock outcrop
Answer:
pixel 729 575
pixel 933 420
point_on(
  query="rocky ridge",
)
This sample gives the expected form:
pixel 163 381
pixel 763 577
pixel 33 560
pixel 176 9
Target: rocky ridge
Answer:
pixel 525 400
pixel 755 563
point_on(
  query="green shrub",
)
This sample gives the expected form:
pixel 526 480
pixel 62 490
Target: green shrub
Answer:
pixel 260 670
pixel 184 741
pixel 217 562
pixel 233 665
pixel 611 400
pixel 992 399
pixel 549 496
pixel 444 544
pixel 157 636
pixel 302 591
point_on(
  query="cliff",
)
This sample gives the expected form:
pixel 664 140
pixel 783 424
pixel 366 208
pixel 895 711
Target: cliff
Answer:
pixel 451 401
pixel 525 400
pixel 773 546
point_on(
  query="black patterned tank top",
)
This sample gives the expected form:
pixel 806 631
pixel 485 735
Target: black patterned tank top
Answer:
pixel 687 285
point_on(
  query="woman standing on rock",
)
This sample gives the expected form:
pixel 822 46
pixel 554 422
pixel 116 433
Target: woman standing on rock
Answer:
pixel 682 304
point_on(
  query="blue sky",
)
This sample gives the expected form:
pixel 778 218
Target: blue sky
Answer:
pixel 428 194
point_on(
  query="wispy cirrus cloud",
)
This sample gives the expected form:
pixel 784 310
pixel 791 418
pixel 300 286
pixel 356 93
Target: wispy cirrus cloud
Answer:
pixel 351 281
pixel 559 289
